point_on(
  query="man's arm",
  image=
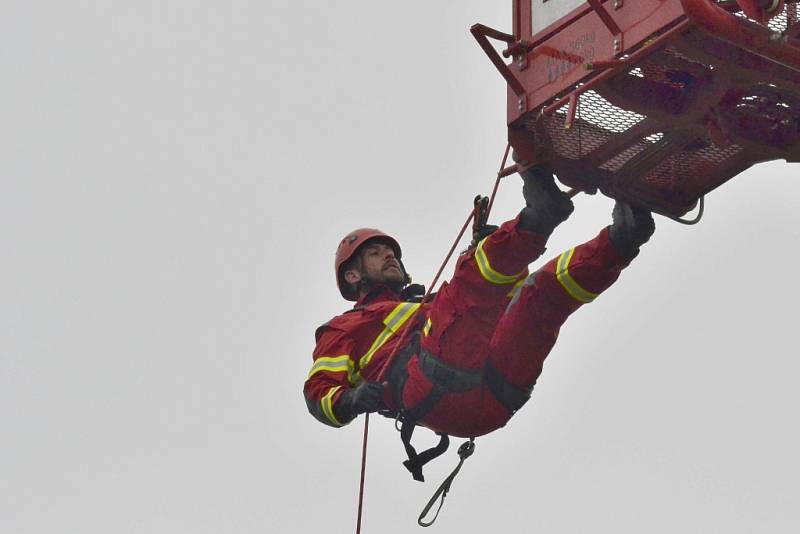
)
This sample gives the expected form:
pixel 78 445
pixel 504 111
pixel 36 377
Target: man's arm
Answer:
pixel 331 374
pixel 332 396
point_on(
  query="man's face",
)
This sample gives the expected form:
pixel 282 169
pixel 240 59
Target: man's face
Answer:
pixel 379 264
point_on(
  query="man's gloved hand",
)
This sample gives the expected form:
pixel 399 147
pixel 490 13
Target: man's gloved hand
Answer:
pixel 362 399
pixel 546 206
pixel 632 228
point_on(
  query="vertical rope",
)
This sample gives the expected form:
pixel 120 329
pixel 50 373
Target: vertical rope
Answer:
pixel 580 130
pixel 363 472
pixel 388 361
pixel 399 344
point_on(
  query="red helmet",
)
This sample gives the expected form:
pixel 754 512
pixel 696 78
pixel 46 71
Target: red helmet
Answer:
pixel 348 248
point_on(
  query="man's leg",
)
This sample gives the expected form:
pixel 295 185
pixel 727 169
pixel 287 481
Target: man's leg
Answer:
pixel 529 326
pixel 464 315
pixel 465 312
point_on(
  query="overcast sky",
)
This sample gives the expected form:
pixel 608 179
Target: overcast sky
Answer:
pixel 174 179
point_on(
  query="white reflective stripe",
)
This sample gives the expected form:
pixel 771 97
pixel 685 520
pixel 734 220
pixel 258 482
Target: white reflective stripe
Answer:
pixel 327 405
pixel 333 364
pixel 488 273
pixel 393 322
pixel 570 285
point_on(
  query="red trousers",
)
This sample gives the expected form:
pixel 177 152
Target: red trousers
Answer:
pixel 493 312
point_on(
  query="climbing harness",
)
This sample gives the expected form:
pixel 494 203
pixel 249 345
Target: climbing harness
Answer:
pixel 445 379
pixel 407 419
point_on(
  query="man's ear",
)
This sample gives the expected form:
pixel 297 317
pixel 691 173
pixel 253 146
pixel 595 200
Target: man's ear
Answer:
pixel 352 276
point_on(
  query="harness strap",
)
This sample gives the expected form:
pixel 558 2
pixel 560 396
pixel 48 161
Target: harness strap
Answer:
pixel 464 451
pixel 398 374
pixel 450 379
pixel 510 396
pixel 416 460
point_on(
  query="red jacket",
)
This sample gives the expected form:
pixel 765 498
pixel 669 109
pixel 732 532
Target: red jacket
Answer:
pixel 371 329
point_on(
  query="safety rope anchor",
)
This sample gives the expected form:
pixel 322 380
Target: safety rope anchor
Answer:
pixel 464 451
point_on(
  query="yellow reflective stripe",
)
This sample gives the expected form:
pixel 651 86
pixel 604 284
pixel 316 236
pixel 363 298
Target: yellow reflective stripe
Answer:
pixel 427 329
pixel 334 364
pixel 382 338
pixel 393 322
pixel 400 315
pixel 488 273
pixel 327 405
pixel 570 285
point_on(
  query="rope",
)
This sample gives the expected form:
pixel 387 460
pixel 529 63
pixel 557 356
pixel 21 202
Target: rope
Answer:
pixel 387 363
pixel 363 471
pixel 497 181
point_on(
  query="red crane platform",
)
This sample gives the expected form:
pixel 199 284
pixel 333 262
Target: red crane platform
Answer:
pixel 656 102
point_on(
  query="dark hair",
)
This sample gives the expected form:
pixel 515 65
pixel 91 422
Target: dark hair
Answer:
pixel 354 263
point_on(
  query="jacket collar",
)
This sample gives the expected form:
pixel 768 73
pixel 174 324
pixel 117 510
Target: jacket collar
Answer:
pixel 378 293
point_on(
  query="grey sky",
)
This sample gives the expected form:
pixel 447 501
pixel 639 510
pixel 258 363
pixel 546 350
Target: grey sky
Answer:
pixel 174 177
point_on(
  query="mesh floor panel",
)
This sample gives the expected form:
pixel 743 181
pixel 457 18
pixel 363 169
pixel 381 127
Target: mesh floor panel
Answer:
pixel 678 169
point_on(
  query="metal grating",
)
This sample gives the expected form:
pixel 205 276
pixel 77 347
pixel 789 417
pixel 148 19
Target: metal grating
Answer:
pixel 780 23
pixel 690 173
pixel 683 166
pixel 663 155
pixel 596 122
pixel 616 163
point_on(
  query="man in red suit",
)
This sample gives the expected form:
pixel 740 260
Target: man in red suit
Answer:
pixel 473 353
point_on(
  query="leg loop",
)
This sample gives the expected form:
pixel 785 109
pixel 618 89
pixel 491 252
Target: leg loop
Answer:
pixel 510 396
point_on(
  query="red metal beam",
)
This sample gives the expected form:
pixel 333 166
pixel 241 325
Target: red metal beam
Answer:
pixel 751 36
pixel 604 15
pixel 481 34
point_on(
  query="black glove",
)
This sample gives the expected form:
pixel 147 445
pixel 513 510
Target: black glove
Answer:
pixel 362 399
pixel 632 228
pixel 546 206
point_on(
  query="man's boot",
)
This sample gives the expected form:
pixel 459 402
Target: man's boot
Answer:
pixel 632 228
pixel 546 206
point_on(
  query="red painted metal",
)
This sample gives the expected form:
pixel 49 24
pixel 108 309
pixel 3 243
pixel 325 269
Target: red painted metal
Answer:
pixel 481 34
pixel 751 36
pixel 604 15
pixel 761 10
pixel 656 102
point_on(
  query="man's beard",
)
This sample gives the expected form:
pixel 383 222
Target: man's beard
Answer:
pixel 368 283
